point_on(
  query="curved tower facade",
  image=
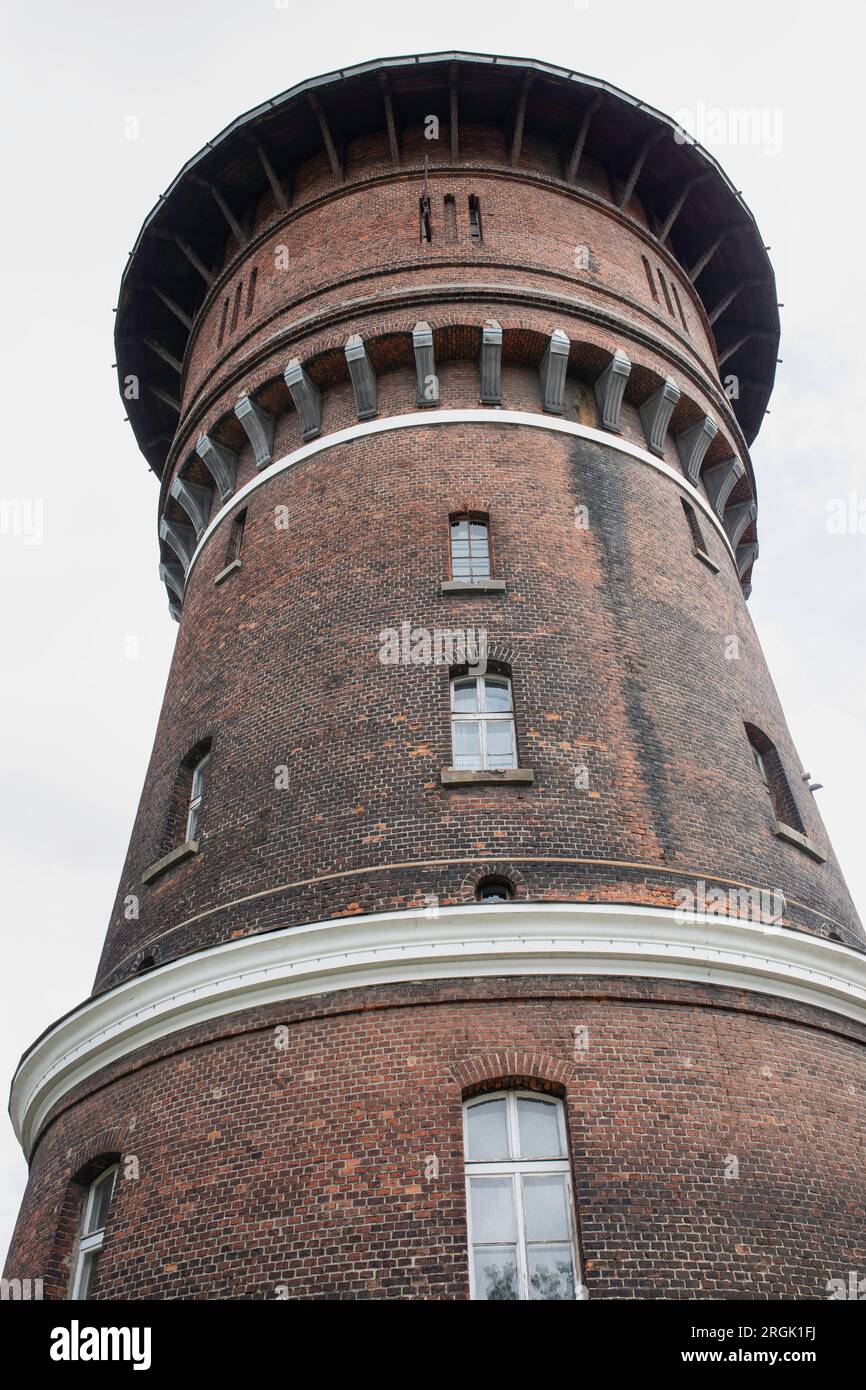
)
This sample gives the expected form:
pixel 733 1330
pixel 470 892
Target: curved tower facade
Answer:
pixel 478 934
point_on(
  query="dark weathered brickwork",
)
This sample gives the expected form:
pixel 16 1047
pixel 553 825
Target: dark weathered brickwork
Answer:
pixel 299 1169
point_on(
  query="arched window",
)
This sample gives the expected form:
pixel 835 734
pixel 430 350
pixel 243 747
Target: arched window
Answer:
pixel 522 1242
pixel 482 722
pixel 94 1220
pixel 494 890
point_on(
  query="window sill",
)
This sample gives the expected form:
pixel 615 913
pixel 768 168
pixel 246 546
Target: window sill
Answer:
pixel 472 586
pixel 479 776
pixel 703 556
pixel 794 837
pixel 176 856
pixel 229 569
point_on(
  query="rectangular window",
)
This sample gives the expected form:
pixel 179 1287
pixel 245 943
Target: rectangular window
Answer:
pixel 236 536
pixel 426 224
pixel 251 291
pixel 470 548
pixel 474 218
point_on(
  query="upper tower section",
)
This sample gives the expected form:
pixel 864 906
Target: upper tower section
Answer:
pixel 331 235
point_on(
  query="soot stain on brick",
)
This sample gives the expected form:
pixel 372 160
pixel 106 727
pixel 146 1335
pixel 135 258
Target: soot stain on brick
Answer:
pixel 597 482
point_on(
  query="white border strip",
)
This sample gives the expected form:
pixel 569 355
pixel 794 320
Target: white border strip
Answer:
pixel 431 944
pixel 435 416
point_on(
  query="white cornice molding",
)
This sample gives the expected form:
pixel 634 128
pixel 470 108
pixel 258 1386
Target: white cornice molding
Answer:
pixel 489 416
pixel 446 943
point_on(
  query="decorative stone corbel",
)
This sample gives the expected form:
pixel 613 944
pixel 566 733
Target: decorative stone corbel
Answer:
pixel 307 398
pixel 737 518
pixel 221 463
pixel 363 377
pixel 552 371
pixel 719 482
pixel 692 444
pixel 181 539
pixel 172 577
pixel 610 388
pixel 746 556
pixel 491 363
pixel 258 427
pixel 195 500
pixel 425 364
pixel 655 415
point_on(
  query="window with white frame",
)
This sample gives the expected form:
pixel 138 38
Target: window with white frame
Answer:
pixel 470 548
pixel 196 796
pixel 96 1206
pixel 522 1242
pixel 482 722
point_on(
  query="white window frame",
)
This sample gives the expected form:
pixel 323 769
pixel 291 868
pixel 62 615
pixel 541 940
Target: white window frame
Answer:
pixel 516 1169
pixel 483 718
pixel 91 1242
pixel 480 567
pixel 196 797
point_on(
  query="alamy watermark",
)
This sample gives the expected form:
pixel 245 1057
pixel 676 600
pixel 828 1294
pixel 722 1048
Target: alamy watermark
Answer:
pixel 755 904
pixel 439 646
pixel 758 126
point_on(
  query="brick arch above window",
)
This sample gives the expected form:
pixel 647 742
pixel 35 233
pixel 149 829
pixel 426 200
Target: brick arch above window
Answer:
pixel 497 1071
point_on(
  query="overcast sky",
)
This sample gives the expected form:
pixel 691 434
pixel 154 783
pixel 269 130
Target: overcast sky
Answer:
pixel 79 707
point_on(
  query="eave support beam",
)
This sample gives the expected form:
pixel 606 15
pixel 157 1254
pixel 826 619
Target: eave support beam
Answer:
pixel 277 188
pixel 221 463
pixel 610 389
pixel 164 354
pixel 655 415
pixel 307 398
pixel 520 118
pixel 637 165
pixel 491 363
pixel 552 371
pixel 173 308
pixel 164 397
pixel 331 148
pixel 707 256
pixel 363 377
pixel 390 122
pixel 665 229
pixel 234 225
pixel 577 150
pixel 184 247
pixel 258 426
pixel 454 113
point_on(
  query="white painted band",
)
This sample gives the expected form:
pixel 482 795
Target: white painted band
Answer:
pixel 448 943
pixel 490 416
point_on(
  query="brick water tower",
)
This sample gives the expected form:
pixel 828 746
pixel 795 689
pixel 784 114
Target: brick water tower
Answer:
pixel 479 935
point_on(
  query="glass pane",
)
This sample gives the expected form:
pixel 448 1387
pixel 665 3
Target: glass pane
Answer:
pixel 464 696
pixel 496 1274
pixel 198 779
pixel 461 569
pixel 478 531
pixel 538 1127
pixel 486 1130
pixel 459 548
pixel 500 743
pixel 497 696
pixel 459 530
pixel 102 1191
pixel 467 743
pixel 545 1206
pixel 481 567
pixel 87 1282
pixel 192 823
pixel 492 1210
pixel 551 1272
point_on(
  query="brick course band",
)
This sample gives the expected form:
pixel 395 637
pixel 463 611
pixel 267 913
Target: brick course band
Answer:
pixel 515 938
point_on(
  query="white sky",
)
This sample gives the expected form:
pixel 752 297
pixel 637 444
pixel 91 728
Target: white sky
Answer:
pixel 78 714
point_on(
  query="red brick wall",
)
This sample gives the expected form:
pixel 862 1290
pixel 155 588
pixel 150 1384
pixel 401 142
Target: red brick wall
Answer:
pixel 304 1168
